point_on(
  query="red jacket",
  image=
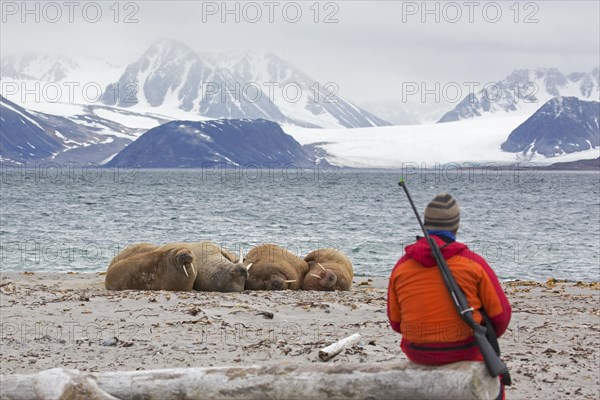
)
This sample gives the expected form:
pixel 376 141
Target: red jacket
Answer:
pixel 420 307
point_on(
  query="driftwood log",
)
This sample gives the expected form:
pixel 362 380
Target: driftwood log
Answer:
pixel 399 380
pixel 52 384
pixel 336 348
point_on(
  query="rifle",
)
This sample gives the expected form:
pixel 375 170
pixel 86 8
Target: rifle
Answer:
pixel 493 363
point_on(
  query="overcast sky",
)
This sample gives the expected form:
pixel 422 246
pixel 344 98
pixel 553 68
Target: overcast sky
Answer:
pixel 369 48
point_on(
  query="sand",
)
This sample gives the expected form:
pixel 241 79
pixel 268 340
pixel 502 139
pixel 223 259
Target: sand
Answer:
pixel 52 320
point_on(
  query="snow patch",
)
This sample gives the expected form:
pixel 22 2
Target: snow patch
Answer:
pixel 22 115
pixel 473 141
pixel 129 120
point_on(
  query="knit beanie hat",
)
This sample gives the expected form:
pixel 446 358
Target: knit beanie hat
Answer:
pixel 442 213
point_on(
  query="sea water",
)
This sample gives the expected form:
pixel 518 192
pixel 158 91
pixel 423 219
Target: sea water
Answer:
pixel 527 224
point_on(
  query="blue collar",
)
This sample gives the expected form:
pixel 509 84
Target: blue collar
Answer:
pixel 446 234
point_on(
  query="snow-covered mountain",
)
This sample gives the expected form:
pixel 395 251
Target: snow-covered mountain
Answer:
pixel 399 112
pixel 171 76
pixel 172 82
pixel 524 91
pixel 56 73
pixel 87 134
pixel 224 143
pixel 37 66
pixel 23 138
pixel 300 97
pixel 466 143
pixel 92 134
pixel 561 126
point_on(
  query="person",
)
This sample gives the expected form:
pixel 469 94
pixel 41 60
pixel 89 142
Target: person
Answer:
pixel 419 305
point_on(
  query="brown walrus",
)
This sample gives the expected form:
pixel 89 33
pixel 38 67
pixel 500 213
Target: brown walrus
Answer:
pixel 330 269
pixel 171 269
pixel 274 268
pixel 132 250
pixel 218 269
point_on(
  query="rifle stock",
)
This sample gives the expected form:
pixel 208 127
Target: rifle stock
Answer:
pixel 494 365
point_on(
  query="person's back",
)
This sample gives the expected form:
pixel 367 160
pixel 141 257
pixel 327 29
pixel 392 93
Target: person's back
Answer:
pixel 419 304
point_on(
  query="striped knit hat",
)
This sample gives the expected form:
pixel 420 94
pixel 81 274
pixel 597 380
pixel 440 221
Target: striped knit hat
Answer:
pixel 442 214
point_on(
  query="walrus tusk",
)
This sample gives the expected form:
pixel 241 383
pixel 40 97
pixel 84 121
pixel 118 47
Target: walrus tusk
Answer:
pixel 248 266
pixel 241 255
pixel 193 268
pixel 185 270
pixel 316 276
pixel 322 267
pixel 291 281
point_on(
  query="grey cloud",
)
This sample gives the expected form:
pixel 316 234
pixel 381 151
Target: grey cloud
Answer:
pixel 369 52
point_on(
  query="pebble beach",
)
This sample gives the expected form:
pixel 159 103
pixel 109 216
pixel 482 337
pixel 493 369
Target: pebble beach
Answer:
pixel 70 320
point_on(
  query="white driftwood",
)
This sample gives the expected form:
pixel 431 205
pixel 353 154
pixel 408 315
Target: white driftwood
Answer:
pixel 334 349
pixel 399 380
pixel 51 384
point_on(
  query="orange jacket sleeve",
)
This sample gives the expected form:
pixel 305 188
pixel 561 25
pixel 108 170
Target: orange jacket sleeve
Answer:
pixel 494 301
pixel 393 305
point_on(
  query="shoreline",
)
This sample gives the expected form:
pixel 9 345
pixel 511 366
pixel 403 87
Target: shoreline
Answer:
pixel 69 320
pixel 380 279
pixel 499 166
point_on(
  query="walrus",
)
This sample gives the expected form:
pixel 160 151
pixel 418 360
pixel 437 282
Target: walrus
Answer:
pixel 132 250
pixel 330 269
pixel 218 269
pixel 274 268
pixel 171 269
